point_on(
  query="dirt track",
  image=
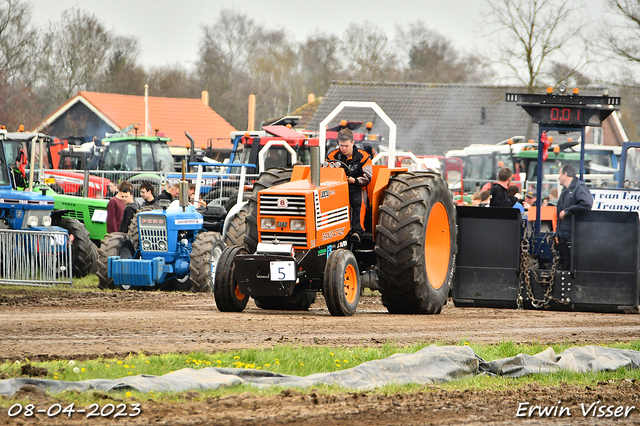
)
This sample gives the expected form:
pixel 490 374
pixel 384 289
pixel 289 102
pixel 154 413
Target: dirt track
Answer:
pixel 50 324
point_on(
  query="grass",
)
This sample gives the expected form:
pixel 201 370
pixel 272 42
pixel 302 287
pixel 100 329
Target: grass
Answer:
pixel 301 361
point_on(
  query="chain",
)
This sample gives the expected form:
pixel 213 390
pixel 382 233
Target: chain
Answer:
pixel 526 269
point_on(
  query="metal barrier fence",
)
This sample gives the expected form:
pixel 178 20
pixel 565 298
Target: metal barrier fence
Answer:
pixel 215 187
pixel 35 258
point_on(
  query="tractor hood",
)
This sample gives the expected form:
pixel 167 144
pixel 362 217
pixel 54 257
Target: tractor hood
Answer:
pixel 25 200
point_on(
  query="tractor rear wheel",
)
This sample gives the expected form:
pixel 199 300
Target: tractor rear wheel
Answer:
pixel 205 255
pixel 296 302
pixel 271 177
pixel 416 243
pixel 237 229
pixel 341 283
pixel 83 253
pixel 114 244
pixel 226 291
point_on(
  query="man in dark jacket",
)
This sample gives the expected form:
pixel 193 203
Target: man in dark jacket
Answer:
pixel 499 196
pixel 358 177
pixel 575 196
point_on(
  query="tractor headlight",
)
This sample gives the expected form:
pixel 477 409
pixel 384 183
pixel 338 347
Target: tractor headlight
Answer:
pixel 297 225
pixel 46 221
pixel 146 244
pixel 33 221
pixel 268 224
pixel 162 245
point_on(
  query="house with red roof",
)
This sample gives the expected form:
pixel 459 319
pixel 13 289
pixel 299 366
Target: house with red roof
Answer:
pixel 90 114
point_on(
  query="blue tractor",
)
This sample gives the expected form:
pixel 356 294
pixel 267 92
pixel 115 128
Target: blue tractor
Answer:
pixel 33 251
pixel 177 248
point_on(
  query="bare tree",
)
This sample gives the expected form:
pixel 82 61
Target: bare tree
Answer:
pixel 530 34
pixel 431 58
pixel 122 74
pixel 18 39
pixel 366 50
pixel 623 42
pixel 320 62
pixel 76 54
pixel 173 81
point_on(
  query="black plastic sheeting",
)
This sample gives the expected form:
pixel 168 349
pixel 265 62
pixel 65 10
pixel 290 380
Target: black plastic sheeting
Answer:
pixel 431 365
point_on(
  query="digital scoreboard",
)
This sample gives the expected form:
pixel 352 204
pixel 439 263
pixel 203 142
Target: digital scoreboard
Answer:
pixel 572 111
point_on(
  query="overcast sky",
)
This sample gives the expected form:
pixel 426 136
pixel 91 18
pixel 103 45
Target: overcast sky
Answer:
pixel 170 31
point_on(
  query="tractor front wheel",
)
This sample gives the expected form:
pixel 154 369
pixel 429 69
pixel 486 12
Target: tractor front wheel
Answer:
pixel 341 284
pixel 226 291
pixel 205 256
pixel 114 244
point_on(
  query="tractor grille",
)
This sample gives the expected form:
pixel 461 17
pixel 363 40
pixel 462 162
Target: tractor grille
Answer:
pixel 74 215
pixel 284 238
pixel 153 233
pixel 153 240
pixel 270 205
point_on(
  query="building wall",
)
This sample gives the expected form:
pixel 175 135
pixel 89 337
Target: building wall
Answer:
pixel 81 122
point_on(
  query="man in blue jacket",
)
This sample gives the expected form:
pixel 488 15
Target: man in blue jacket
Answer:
pixel 575 196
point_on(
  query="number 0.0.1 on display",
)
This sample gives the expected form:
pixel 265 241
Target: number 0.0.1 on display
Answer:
pixel 282 271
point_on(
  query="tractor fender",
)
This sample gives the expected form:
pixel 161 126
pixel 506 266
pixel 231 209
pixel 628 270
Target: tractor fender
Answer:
pixel 230 214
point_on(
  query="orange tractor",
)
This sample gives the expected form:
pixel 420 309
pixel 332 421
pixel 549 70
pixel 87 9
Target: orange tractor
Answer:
pixel 296 242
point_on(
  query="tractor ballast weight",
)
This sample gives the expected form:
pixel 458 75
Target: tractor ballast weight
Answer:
pixel 504 261
pixel 297 240
pixel 165 237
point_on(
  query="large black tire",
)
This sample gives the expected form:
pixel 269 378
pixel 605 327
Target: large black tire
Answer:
pixel 237 229
pixel 416 243
pixel 233 199
pixel 226 292
pixel 133 226
pixel 296 302
pixel 83 253
pixel 205 255
pixel 341 283
pixel 114 244
pixel 271 177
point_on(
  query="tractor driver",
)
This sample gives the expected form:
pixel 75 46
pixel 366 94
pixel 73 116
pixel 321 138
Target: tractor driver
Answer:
pixel 358 177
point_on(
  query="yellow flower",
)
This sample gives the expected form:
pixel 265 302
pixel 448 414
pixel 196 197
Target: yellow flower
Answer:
pixel 331 353
pixel 267 365
pixel 147 361
pixel 119 362
pixel 128 394
pixel 277 362
pixel 126 366
pixel 236 357
pixel 337 360
pixel 129 372
pixel 107 365
pixel 218 362
pixel 301 364
pixel 82 369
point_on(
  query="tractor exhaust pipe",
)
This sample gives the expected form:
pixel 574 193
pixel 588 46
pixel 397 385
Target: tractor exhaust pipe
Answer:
pixel 315 166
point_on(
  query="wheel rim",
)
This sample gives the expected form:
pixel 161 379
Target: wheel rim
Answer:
pixel 239 295
pixel 350 284
pixel 437 245
pixel 215 257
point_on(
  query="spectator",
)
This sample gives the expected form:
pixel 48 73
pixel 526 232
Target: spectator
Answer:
pixel 553 197
pixel 529 200
pixel 116 205
pixel 113 190
pixel 512 193
pixel 171 193
pixel 484 198
pixel 146 192
pixel 475 199
pixel 575 196
pixel 19 174
pixel 499 196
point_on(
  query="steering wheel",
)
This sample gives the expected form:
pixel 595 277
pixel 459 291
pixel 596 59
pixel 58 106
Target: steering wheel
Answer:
pixel 337 163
